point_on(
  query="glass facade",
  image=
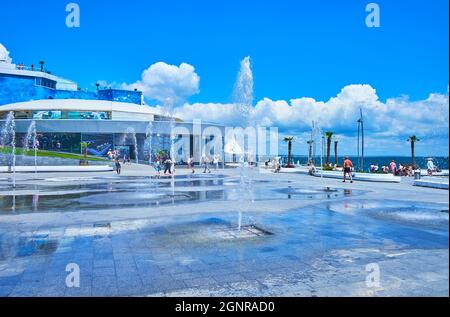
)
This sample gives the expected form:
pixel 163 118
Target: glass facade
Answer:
pixel 44 82
pixel 15 88
pixel 60 142
pixel 59 115
pixel 18 89
pixel 100 144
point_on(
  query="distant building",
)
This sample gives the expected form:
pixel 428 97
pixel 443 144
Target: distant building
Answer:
pixel 65 116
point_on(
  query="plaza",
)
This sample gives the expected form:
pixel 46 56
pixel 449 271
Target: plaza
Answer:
pixel 136 180
pixel 217 235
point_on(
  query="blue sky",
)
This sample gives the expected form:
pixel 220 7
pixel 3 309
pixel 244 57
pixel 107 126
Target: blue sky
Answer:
pixel 298 48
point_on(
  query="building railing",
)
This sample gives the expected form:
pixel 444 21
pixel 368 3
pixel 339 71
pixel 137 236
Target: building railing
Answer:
pixel 31 69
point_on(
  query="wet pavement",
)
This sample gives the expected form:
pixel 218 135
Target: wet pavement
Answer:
pixel 210 235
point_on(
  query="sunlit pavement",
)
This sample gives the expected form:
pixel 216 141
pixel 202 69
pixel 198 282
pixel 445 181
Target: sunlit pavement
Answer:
pixel 209 235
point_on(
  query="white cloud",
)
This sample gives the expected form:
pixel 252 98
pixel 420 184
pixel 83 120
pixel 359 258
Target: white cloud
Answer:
pixel 394 119
pixel 162 81
pixel 4 54
pixel 226 114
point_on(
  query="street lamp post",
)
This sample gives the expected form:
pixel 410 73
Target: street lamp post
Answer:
pixel 361 144
pixel 362 140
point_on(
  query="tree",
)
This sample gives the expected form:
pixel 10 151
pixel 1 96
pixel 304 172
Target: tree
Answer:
pixel 289 141
pixel 413 139
pixel 84 148
pixel 310 150
pixel 336 159
pixel 328 135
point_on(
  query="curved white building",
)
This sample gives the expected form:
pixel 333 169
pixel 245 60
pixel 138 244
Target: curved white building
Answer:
pixel 65 116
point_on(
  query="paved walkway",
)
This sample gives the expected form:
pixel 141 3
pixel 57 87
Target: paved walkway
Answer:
pixel 300 245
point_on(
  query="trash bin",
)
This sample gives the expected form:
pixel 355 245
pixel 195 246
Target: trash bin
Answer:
pixel 417 174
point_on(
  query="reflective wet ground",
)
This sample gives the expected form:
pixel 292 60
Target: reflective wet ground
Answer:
pixel 296 237
pixel 74 194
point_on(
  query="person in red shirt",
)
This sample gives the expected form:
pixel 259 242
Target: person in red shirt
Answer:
pixel 348 165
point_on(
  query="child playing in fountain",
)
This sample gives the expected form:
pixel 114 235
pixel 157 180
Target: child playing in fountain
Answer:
pixel 191 164
pixel 158 168
pixel 168 166
pixel 118 166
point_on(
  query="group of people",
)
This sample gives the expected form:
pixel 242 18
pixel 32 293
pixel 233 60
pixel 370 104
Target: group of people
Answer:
pixel 403 170
pixel 116 158
pixel 347 169
pixel 167 163
pixel 274 163
pixel 21 66
pixel 400 170
pixel 205 163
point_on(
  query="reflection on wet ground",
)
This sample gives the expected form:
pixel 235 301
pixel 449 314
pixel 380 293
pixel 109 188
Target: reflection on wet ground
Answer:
pixel 416 214
pixel 321 248
pixel 68 194
pixel 314 246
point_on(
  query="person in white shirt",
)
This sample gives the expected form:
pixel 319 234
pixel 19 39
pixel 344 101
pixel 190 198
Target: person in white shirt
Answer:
pixel 216 161
pixel 430 167
pixel 205 162
pixel 191 164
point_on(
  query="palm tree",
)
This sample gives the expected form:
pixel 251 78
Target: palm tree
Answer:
pixel 336 152
pixel 310 150
pixel 289 140
pixel 328 135
pixel 413 139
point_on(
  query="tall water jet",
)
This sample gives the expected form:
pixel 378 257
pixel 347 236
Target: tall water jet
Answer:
pixel 243 99
pixel 318 138
pixel 130 132
pixel 8 138
pixel 169 110
pixel 31 137
pixel 243 92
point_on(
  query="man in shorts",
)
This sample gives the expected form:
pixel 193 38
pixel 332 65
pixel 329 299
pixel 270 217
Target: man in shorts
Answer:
pixel 348 165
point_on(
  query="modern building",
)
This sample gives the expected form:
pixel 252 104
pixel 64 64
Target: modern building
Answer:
pixel 107 119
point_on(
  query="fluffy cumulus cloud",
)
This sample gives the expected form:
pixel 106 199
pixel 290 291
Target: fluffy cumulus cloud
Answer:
pixel 162 81
pixel 392 120
pixel 4 54
pixel 394 117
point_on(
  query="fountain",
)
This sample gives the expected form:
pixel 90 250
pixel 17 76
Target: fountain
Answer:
pixel 243 99
pixel 243 92
pixel 8 138
pixel 168 110
pixel 149 140
pixel 131 132
pixel 31 137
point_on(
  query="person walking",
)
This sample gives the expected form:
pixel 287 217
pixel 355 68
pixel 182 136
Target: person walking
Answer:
pixel 393 167
pixel 118 166
pixel 216 162
pixel 191 164
pixel 348 166
pixel 205 161
pixel 158 168
pixel 168 166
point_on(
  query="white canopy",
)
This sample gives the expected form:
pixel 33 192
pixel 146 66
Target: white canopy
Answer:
pixel 233 147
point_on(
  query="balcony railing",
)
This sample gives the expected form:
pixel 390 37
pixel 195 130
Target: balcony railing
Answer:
pixel 31 69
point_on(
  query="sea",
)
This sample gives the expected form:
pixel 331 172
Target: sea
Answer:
pixel 440 161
